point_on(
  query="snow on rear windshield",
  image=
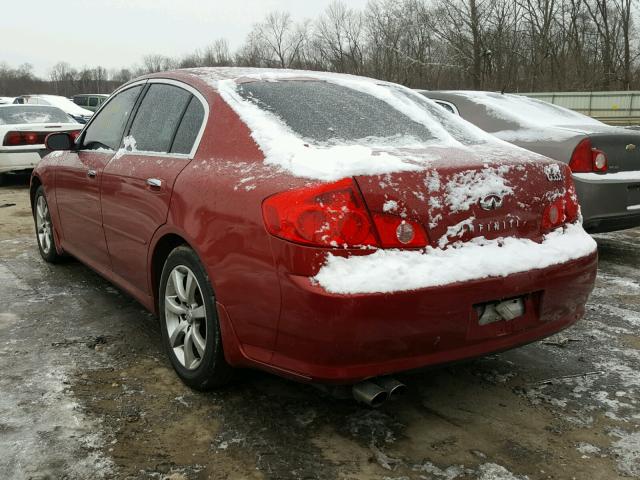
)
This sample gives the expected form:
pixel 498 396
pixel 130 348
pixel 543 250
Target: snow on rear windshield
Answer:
pixel 330 126
pixel 14 115
pixel 326 113
pixel 527 112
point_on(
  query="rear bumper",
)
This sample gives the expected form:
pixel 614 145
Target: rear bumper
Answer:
pixel 610 201
pixel 20 160
pixel 332 338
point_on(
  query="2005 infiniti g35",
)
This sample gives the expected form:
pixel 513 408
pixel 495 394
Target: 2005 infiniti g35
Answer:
pixel 328 228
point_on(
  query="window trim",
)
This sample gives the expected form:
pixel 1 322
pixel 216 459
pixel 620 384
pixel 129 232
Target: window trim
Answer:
pixel 80 138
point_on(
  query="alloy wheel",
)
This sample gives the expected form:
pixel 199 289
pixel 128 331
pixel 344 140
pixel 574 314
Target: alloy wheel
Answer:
pixel 43 225
pixel 186 317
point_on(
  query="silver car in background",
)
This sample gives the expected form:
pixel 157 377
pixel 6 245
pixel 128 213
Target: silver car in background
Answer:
pixel 605 160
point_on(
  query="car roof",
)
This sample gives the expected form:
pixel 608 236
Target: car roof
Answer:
pixel 210 76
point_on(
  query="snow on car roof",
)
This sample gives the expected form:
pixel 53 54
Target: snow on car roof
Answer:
pixel 524 110
pixel 284 148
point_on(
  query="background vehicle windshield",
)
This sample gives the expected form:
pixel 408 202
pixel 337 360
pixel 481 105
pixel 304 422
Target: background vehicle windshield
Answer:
pixel 17 114
pixel 327 113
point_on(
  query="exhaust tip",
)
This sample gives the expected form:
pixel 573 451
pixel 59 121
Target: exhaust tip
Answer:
pixel 370 394
pixel 393 387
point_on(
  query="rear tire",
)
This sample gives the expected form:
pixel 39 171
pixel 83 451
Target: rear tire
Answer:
pixel 189 322
pixel 44 228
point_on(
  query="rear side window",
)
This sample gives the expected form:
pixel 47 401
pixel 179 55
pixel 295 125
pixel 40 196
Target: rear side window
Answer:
pixel 158 116
pixel 189 127
pixel 107 127
pixel 93 101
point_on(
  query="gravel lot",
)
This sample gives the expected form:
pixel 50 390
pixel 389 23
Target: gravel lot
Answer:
pixel 87 392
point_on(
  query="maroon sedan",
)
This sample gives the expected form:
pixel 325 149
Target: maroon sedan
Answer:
pixel 327 228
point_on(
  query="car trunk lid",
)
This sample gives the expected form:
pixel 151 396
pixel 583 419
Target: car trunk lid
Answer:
pixel 469 193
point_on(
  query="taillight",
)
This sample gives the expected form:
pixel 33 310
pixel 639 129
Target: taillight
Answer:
pixel 15 139
pixel 335 215
pixel 571 206
pixel 553 215
pixel 395 231
pixel 329 215
pixel 562 210
pixel 587 159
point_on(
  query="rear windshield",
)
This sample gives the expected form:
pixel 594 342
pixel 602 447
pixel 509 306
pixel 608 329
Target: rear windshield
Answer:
pixel 17 114
pixel 323 112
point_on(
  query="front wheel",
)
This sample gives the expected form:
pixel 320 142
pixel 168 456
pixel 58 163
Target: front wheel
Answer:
pixel 44 228
pixel 189 322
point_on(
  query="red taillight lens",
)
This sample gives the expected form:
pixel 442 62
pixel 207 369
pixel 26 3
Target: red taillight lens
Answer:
pixel 329 215
pixel 397 232
pixel 335 215
pixel 571 206
pixel 15 139
pixel 12 139
pixel 553 215
pixel 587 159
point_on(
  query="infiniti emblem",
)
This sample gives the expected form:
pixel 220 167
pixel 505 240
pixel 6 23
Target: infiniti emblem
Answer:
pixel 630 148
pixel 491 202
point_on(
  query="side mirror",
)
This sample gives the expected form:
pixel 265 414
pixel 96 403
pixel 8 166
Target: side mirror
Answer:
pixel 58 141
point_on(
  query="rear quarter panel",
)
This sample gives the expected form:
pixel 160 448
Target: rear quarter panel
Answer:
pixel 216 207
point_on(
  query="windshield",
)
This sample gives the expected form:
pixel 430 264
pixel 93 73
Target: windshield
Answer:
pixel 17 114
pixel 527 112
pixel 327 113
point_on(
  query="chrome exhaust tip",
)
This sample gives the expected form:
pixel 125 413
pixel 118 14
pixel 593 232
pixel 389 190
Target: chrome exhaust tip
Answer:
pixel 393 387
pixel 369 393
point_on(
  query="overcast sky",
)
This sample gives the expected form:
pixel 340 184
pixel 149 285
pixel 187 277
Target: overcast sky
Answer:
pixel 118 33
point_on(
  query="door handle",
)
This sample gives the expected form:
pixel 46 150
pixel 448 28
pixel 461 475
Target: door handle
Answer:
pixel 154 182
pixel 91 173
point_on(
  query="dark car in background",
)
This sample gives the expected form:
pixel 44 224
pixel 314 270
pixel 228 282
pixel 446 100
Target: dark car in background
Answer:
pixel 605 160
pixel 90 101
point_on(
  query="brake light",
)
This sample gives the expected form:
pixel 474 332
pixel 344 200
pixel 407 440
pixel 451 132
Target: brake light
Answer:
pixel 571 206
pixel 587 159
pixel 329 215
pixel 562 210
pixel 15 139
pixel 553 215
pixel 335 215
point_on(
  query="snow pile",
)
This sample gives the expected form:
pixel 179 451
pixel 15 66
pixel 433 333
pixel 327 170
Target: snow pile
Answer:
pixel 129 145
pixel 627 449
pixel 397 270
pixel 491 471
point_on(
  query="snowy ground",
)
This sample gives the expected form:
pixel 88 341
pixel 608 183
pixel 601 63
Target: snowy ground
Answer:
pixel 87 393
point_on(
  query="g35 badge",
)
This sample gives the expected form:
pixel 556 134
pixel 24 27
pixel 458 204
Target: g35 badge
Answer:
pixel 553 173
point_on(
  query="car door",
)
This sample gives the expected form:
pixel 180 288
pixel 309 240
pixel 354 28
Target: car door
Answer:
pixel 78 177
pixel 137 185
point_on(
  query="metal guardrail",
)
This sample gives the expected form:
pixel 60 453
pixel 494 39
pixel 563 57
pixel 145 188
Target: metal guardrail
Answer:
pixel 616 108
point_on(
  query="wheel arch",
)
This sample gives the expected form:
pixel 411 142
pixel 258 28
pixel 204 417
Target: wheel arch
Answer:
pixel 161 250
pixel 33 188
